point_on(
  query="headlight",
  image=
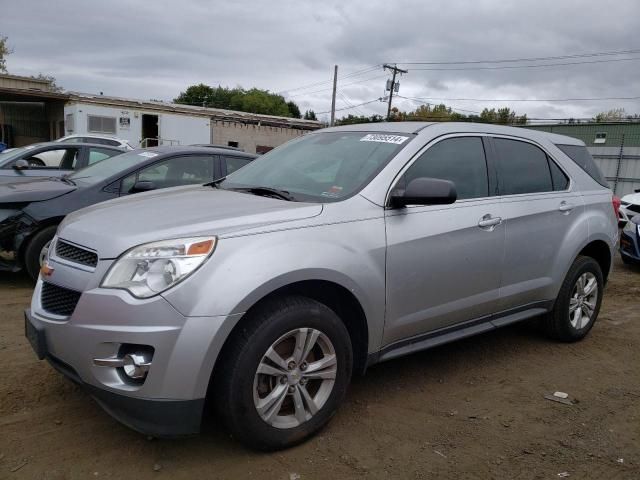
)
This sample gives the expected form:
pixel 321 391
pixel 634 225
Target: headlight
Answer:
pixel 150 269
pixel 631 228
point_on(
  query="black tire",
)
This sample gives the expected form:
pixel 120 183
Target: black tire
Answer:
pixel 234 383
pixel 31 258
pixel 557 324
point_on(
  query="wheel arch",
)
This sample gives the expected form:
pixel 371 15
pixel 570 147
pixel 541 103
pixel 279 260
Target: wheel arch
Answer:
pixel 599 250
pixel 26 238
pixel 335 296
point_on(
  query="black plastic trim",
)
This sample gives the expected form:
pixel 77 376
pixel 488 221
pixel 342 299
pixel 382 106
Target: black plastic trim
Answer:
pixel 459 331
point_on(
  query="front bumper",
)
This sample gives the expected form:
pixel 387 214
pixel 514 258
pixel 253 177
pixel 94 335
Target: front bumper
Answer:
pixel 170 402
pixel 625 214
pixel 156 417
pixel 630 247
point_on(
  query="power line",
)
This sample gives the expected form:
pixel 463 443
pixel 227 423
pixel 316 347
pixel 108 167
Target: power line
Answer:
pixel 417 100
pixel 525 99
pixel 530 59
pixel 349 104
pixel 542 65
pixel 354 106
pixel 347 75
pixel 341 86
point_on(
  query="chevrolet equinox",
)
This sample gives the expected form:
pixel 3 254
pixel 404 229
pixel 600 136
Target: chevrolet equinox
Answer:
pixel 263 293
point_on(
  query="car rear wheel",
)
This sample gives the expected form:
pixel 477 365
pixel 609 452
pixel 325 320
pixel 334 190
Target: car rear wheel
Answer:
pixel 37 249
pixel 578 303
pixel 284 374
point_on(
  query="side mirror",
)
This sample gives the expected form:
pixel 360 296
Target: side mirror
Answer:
pixel 143 186
pixel 21 164
pixel 425 191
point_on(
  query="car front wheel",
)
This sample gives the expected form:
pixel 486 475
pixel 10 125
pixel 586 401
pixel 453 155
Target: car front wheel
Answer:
pixel 284 374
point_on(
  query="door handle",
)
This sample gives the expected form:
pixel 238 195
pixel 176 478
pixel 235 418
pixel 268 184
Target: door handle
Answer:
pixel 489 222
pixel 566 207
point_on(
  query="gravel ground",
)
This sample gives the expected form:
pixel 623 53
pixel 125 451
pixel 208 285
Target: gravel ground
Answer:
pixel 473 409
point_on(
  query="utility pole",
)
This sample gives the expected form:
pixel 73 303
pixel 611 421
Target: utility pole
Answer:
pixel 395 71
pixel 333 97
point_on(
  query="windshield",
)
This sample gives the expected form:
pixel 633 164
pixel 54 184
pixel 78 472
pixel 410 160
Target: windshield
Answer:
pixel 111 166
pixel 320 167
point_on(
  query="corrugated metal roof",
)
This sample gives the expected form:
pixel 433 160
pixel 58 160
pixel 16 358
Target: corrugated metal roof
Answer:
pixel 215 113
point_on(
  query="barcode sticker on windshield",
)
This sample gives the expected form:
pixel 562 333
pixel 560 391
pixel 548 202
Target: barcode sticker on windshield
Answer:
pixel 148 154
pixel 377 137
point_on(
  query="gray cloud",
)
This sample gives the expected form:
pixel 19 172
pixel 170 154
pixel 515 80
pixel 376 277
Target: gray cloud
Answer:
pixel 133 49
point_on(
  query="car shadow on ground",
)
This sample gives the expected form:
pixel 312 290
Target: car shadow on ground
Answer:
pixel 15 280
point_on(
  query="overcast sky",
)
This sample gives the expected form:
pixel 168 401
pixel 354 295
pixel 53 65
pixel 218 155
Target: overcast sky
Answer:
pixel 156 49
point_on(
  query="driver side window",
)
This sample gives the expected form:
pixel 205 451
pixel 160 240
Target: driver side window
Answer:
pixel 461 160
pixel 58 158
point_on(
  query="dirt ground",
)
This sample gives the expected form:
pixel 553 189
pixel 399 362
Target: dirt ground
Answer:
pixel 473 409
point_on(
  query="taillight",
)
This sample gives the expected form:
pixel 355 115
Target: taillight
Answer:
pixel 616 206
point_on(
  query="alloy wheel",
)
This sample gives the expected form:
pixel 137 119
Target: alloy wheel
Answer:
pixel 584 298
pixel 295 378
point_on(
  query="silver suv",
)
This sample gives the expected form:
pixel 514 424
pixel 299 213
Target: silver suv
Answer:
pixel 260 294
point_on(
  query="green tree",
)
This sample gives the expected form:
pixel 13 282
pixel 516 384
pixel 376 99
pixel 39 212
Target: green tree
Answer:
pixel 4 51
pixel 294 110
pixel 614 115
pixel 504 116
pixel 199 94
pixel 253 100
pixel 353 119
pixel 310 115
pixel 53 86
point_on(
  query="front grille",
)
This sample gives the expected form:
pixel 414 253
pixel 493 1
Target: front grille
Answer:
pixel 76 254
pixel 634 208
pixel 58 300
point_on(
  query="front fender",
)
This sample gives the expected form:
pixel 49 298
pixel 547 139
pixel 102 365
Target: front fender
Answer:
pixel 245 269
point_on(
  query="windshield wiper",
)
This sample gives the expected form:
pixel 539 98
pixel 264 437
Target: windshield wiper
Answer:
pixel 215 183
pixel 267 192
pixel 67 180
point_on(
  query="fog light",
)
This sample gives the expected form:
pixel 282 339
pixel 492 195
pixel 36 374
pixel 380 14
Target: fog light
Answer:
pixel 135 365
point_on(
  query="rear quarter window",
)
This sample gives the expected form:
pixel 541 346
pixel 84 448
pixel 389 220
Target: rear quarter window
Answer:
pixel 581 156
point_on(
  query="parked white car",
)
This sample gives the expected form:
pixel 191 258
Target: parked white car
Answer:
pixel 97 139
pixel 629 207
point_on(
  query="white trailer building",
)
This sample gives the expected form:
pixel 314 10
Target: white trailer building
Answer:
pixel 148 123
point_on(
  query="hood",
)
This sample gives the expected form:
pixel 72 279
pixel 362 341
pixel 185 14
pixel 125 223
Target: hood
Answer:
pixel 632 198
pixel 115 226
pixel 33 190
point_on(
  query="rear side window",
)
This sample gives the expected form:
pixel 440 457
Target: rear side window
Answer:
pixel 98 154
pixel 581 156
pixel 522 168
pixel 559 179
pixel 460 160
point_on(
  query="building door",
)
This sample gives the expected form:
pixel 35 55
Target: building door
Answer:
pixel 149 130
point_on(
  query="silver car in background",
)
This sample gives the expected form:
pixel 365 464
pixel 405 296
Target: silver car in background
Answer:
pixel 262 293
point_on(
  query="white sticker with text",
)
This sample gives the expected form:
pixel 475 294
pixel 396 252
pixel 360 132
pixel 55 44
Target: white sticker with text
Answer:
pixel 148 154
pixel 379 137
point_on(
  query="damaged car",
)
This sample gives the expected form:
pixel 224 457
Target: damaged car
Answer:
pixel 30 211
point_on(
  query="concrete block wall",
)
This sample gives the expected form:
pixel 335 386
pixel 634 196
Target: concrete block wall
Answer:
pixel 249 137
